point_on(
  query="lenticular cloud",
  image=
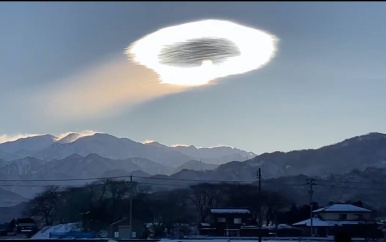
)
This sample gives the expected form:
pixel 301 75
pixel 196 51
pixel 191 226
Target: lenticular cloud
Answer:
pixel 195 53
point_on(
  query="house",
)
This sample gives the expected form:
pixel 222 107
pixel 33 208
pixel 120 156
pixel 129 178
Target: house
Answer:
pixel 358 221
pixel 228 221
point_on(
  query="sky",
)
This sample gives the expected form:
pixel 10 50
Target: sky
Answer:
pixel 62 69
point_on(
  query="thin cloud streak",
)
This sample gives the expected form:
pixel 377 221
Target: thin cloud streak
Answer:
pixel 7 138
pixel 102 90
pixel 12 137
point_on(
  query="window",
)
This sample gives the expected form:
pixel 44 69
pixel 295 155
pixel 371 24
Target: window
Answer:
pixel 221 220
pixel 342 216
pixel 237 221
pixel 359 216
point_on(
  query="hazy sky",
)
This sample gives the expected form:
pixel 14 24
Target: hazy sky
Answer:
pixel 326 83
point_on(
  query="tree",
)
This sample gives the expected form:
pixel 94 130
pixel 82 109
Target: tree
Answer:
pixel 247 196
pixel 205 196
pixel 11 225
pixel 272 202
pixel 45 206
pixel 244 196
pixel 358 203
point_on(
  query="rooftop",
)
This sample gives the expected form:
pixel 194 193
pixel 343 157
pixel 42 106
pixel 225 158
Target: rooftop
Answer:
pixel 229 210
pixel 342 207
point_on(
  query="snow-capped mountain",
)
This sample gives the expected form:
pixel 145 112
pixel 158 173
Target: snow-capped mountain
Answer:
pixel 48 147
pixel 25 146
pixel 34 143
pixel 20 168
pixel 71 137
pixel 102 155
pixel 114 148
pixel 79 156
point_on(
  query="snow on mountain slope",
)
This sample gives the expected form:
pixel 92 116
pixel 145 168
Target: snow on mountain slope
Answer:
pixel 20 168
pixel 71 137
pixel 49 147
pixel 34 143
pixel 6 156
pixel 114 148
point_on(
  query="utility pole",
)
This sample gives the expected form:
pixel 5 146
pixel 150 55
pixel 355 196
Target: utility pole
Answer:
pixel 260 222
pixel 311 183
pixel 131 208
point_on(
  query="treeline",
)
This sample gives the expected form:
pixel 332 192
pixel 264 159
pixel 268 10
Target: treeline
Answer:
pixel 102 203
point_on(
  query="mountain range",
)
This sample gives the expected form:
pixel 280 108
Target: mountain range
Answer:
pixel 45 157
pixel 48 147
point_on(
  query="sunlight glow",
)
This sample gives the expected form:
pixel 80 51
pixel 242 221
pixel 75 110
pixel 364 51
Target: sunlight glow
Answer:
pixel 255 48
pixel 8 138
pixel 76 135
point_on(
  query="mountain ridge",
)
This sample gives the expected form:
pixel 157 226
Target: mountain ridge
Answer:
pixel 357 153
pixel 113 147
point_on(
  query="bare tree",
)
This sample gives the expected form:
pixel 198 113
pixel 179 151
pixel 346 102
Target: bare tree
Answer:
pixel 205 196
pixel 45 206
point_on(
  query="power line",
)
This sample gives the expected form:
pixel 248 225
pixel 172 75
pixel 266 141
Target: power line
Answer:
pixel 355 188
pixel 82 185
pixel 112 177
pixel 140 177
pixel 182 185
pixel 266 182
pixel 355 182
pixel 128 176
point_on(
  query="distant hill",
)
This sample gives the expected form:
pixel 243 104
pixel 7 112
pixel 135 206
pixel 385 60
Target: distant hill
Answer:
pixel 9 198
pixel 195 165
pixel 358 153
pixel 12 212
pixel 215 155
pixel 72 167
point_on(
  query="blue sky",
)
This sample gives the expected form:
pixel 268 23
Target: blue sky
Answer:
pixel 326 83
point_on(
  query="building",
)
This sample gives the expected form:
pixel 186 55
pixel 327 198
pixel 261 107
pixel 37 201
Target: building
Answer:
pixel 228 221
pixel 358 221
